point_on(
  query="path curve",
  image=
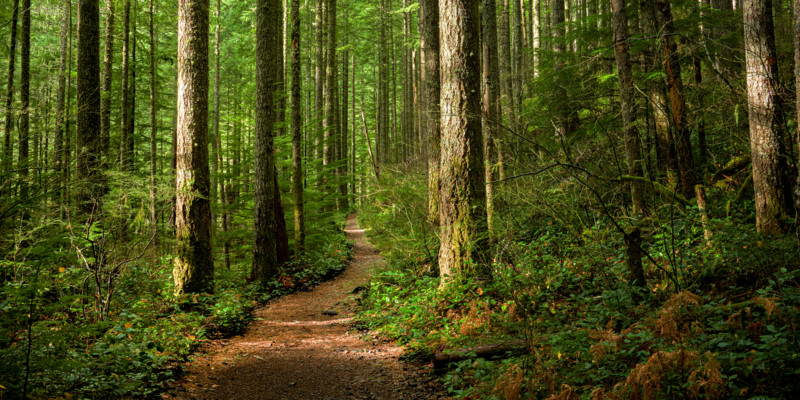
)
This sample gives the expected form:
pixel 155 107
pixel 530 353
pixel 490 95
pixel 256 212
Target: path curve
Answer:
pixel 292 351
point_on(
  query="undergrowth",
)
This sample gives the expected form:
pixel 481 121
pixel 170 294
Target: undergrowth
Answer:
pixel 56 334
pixel 718 319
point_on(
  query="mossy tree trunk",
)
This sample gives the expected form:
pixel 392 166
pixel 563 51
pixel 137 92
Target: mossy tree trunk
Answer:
pixel 463 190
pixel 194 265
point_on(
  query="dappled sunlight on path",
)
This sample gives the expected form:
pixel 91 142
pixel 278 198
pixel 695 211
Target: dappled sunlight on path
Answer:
pixel 299 347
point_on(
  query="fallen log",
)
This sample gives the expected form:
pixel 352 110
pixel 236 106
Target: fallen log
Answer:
pixel 733 166
pixel 442 358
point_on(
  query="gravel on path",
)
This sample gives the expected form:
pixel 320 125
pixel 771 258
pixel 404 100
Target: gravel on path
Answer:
pixel 301 347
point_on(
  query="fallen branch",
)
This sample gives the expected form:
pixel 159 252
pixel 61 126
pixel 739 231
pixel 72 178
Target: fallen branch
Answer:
pixel 442 358
pixel 735 165
pixel 657 187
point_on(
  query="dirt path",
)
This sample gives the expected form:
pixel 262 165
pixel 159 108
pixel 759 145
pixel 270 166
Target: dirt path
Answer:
pixel 292 351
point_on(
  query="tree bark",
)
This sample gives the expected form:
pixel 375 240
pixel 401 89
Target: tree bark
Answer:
pixel 664 143
pixel 216 187
pixel 797 105
pixel 24 97
pixel 297 150
pixel 683 144
pixel 12 60
pixel 108 76
pixel 88 130
pixel 58 145
pixel 491 103
pixel 463 190
pixel 517 52
pixel 429 49
pixel 319 79
pixel 265 265
pixel 67 127
pixel 505 63
pixel 770 170
pixel 153 120
pixel 124 156
pixel 343 139
pixel 194 265
pixel 632 149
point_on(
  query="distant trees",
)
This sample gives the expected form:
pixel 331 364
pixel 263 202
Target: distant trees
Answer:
pixel 534 77
pixel 12 56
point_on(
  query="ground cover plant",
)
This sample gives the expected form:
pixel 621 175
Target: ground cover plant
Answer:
pixel 714 321
pixel 90 312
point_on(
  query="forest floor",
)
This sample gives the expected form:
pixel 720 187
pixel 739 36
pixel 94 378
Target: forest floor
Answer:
pixel 304 346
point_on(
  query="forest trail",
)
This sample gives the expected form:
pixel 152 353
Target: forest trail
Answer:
pixel 293 351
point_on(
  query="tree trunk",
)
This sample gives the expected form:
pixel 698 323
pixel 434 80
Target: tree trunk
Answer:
pixel 505 63
pixel 429 49
pixel 194 265
pixel 67 125
pixel 664 143
pixel 770 177
pixel 517 52
pixel 280 84
pixel 58 155
pixel 216 187
pixel 330 127
pixel 265 265
pixel 153 111
pixel 12 60
pixel 282 254
pixel 353 129
pixel 319 80
pixel 683 144
pixel 24 97
pixel 88 130
pixel 463 190
pixel 558 32
pixel 343 140
pixel 297 155
pixel 797 105
pixel 124 87
pixel 108 75
pixel 491 106
pixel 632 149
pixel 132 94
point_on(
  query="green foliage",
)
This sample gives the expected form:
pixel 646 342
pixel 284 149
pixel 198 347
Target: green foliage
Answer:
pixel 87 311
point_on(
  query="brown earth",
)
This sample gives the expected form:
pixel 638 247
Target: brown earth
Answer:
pixel 293 351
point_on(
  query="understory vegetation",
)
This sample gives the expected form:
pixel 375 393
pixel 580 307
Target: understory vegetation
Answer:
pixel 717 319
pixel 90 312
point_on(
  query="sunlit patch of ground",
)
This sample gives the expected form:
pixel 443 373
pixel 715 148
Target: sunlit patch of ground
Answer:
pixel 294 351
